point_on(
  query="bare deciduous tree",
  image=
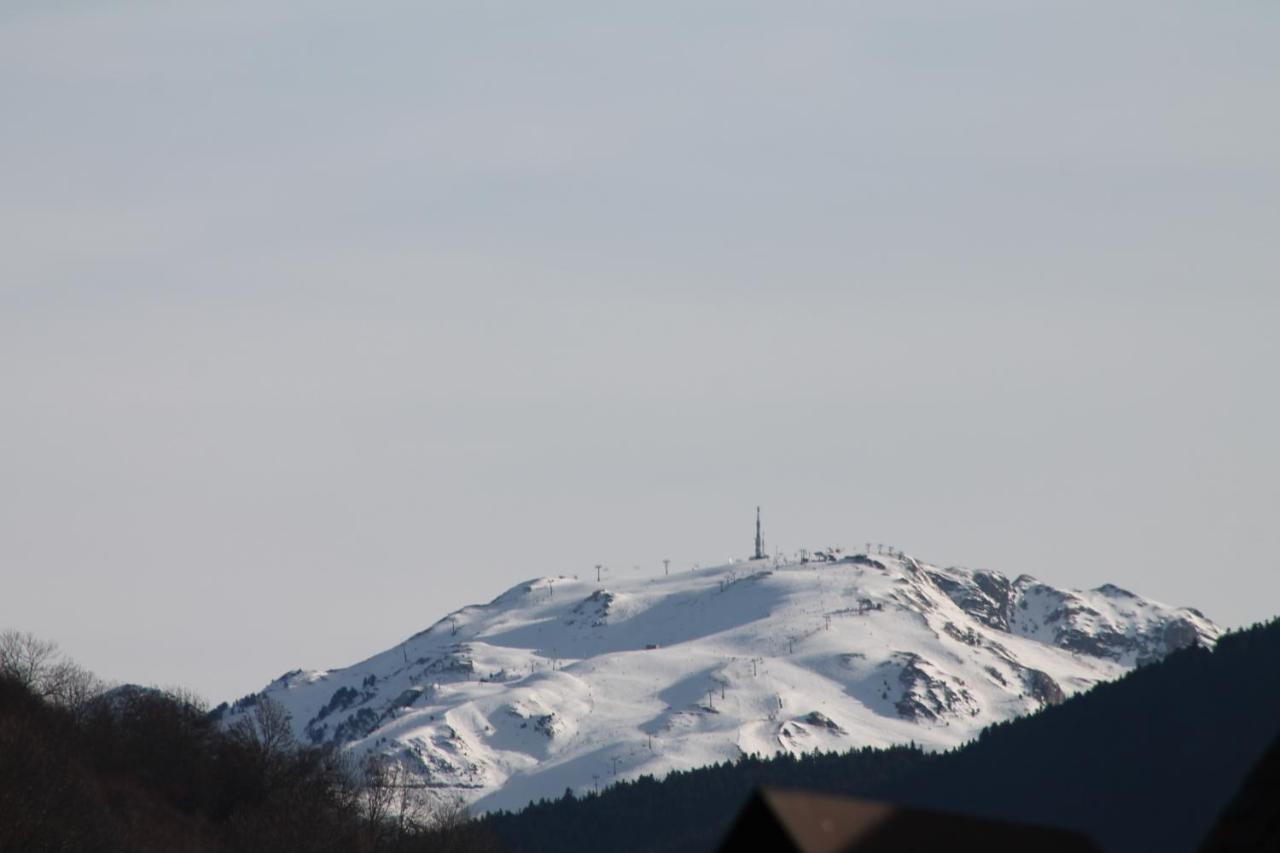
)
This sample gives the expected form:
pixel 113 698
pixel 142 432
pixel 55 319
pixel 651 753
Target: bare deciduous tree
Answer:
pixel 26 657
pixel 376 776
pixel 449 815
pixel 267 729
pixel 267 736
pixel 42 667
pixel 395 804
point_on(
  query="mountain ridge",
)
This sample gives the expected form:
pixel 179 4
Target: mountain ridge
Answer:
pixel 560 683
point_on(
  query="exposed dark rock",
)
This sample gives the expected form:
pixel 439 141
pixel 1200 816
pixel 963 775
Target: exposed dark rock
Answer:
pixel 287 679
pixel 592 610
pixel 457 661
pixel 913 599
pixel 499 677
pixel 1080 628
pixel 968 636
pixel 1179 634
pixel 1102 644
pixel 408 697
pixel 925 696
pixel 821 720
pixel 546 724
pixel 997 676
pixel 989 598
pixel 1042 687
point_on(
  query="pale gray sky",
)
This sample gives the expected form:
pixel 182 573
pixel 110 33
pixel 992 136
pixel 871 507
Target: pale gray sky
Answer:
pixel 318 320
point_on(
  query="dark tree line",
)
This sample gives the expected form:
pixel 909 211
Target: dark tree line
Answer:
pixel 691 810
pixel 137 769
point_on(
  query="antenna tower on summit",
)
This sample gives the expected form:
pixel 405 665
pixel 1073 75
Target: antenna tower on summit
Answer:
pixel 759 539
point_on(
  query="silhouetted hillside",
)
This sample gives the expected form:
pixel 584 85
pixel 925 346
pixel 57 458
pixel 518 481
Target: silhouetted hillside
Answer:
pixel 137 769
pixel 1143 763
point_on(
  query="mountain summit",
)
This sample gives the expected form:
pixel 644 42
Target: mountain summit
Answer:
pixel 562 682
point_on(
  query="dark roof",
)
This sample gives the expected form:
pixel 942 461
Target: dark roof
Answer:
pixel 779 820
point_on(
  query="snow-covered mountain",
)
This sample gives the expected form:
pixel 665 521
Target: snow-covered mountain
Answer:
pixel 566 682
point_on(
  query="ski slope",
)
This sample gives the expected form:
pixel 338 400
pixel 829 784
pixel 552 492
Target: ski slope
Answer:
pixel 566 682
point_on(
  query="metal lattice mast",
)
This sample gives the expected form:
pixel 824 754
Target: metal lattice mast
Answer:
pixel 759 539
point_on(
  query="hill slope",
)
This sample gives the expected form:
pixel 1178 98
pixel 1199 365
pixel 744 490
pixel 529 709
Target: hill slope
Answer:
pixel 569 683
pixel 1147 762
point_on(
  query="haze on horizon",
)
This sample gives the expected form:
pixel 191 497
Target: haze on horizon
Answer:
pixel 318 321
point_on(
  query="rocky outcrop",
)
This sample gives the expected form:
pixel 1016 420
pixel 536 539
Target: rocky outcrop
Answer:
pixel 592 611
pixel 1179 634
pixel 1041 687
pixel 1108 622
pixel 927 693
pixel 457 661
pixel 986 596
pixel 822 721
pixel 968 636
